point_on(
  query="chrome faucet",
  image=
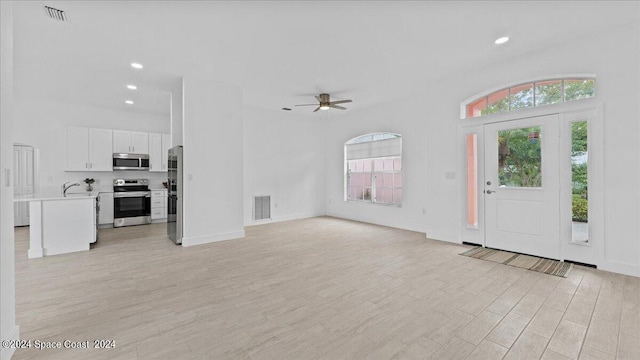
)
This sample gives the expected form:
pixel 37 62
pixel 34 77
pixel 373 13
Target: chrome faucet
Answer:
pixel 65 187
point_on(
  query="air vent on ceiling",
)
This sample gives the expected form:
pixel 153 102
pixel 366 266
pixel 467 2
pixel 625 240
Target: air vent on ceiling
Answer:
pixel 261 207
pixel 56 14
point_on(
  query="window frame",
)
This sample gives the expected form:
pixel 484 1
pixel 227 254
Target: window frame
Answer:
pixel 486 94
pixel 372 172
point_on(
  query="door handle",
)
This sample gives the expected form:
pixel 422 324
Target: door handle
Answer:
pixel 490 192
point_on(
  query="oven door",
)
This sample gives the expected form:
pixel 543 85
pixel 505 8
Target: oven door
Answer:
pixel 131 204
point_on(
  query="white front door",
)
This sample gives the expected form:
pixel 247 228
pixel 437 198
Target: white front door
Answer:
pixel 521 186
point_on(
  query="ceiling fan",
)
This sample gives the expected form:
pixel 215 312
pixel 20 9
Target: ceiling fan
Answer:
pixel 324 103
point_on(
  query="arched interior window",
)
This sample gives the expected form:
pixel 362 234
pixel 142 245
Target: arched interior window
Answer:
pixel 373 169
pixel 531 94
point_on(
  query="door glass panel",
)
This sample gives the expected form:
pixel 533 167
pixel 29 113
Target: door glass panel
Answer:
pixel 472 181
pixel 579 197
pixel 520 157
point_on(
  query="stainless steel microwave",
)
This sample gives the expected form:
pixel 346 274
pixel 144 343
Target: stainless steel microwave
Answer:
pixel 130 162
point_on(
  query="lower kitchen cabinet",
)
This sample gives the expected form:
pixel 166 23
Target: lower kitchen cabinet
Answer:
pixel 105 216
pixel 158 205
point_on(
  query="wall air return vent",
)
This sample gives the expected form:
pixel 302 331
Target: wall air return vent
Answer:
pixel 56 14
pixel 261 207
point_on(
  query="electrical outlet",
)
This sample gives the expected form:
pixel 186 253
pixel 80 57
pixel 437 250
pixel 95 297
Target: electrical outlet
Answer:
pixel 424 211
pixel 450 175
pixel 275 204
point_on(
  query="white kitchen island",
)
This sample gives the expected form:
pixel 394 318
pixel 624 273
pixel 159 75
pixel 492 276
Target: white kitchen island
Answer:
pixel 60 225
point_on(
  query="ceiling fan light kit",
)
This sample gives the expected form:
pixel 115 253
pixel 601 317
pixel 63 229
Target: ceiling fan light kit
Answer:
pixel 325 103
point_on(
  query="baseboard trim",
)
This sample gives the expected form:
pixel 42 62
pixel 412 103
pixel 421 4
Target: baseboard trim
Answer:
pixel 7 353
pixel 298 216
pixel 443 236
pixel 619 267
pixel 393 224
pixel 205 239
pixel 35 253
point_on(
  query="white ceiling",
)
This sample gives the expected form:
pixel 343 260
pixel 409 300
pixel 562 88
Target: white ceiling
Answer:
pixel 282 53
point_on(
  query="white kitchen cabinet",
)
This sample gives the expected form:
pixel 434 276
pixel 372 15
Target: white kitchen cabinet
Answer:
pixel 100 151
pixel 155 152
pixel 159 205
pixel 166 145
pixel 159 145
pixel 133 142
pixel 105 216
pixel 89 149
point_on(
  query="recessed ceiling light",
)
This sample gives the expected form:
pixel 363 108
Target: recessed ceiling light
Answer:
pixel 136 66
pixel 129 102
pixel 132 87
pixel 501 40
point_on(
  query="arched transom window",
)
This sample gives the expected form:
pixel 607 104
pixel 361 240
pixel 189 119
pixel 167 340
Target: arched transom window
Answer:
pixel 373 169
pixel 531 94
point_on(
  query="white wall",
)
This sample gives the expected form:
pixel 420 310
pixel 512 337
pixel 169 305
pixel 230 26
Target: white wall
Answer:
pixel 176 114
pixel 213 155
pixel 284 158
pixel 41 123
pixel 8 328
pixel 401 118
pixel 429 122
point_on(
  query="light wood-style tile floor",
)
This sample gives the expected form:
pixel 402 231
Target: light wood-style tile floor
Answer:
pixel 320 288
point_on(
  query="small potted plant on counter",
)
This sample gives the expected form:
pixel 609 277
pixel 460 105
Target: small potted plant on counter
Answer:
pixel 89 181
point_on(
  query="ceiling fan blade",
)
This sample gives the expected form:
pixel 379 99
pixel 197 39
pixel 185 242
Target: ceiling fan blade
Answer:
pixel 340 102
pixel 337 107
pixel 318 108
pixel 307 105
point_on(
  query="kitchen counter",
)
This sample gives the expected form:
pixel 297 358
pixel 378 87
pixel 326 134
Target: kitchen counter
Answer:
pixel 59 224
pixel 50 197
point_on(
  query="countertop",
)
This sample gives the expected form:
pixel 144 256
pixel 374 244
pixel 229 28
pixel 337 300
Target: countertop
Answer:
pixel 49 197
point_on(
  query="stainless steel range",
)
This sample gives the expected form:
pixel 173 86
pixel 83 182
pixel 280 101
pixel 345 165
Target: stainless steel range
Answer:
pixel 131 202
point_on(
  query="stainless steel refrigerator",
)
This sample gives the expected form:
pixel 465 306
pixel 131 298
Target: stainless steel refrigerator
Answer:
pixel 174 200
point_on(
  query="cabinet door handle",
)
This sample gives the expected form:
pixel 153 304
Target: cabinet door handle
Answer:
pixel 86 165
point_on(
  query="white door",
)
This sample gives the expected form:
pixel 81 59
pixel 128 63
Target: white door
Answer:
pixel 23 181
pixel 521 186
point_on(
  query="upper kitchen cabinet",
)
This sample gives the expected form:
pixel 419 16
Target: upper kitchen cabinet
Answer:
pixel 89 149
pixel 166 145
pixel 159 145
pixel 125 142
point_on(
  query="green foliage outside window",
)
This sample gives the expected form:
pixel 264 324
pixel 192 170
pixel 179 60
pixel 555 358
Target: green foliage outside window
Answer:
pixel 519 157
